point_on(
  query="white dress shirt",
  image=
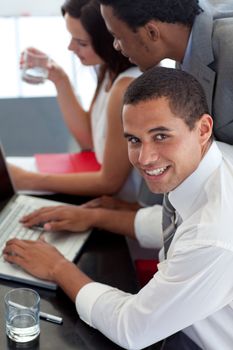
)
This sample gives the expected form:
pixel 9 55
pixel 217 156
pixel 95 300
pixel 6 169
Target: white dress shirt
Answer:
pixel 193 288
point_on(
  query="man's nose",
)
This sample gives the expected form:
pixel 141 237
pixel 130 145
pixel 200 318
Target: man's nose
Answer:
pixel 148 154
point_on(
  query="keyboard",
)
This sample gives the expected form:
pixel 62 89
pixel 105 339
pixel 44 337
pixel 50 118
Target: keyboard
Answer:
pixel 11 227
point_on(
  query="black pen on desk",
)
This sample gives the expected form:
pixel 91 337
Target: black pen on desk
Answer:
pixel 50 318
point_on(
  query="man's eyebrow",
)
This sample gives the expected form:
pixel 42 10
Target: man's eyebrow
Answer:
pixel 159 129
pixel 126 134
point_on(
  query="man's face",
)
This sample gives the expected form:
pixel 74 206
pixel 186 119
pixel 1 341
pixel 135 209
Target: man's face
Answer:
pixel 160 144
pixel 134 45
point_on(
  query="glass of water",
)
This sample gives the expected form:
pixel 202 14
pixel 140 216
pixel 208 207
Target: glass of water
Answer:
pixel 22 306
pixel 34 66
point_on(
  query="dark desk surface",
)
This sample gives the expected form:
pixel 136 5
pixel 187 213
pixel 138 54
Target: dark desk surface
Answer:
pixel 105 259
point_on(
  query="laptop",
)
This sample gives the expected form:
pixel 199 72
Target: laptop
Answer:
pixel 12 207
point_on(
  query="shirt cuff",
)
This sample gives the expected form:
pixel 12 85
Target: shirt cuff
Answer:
pixel 87 297
pixel 148 227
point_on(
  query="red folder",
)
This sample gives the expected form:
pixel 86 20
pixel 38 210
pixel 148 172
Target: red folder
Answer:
pixel 63 163
pixel 145 270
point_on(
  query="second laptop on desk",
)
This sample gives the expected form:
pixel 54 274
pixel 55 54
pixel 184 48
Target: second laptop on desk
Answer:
pixel 12 207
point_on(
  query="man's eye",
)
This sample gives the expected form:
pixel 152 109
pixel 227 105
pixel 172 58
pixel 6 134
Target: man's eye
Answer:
pixel 160 137
pixel 133 140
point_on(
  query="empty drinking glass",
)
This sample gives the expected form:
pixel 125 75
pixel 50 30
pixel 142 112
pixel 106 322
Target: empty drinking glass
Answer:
pixel 22 306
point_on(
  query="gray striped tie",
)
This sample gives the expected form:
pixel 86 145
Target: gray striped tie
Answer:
pixel 171 220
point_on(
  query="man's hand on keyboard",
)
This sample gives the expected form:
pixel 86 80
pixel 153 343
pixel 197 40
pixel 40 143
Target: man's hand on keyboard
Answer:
pixel 42 260
pixel 59 218
pixel 27 254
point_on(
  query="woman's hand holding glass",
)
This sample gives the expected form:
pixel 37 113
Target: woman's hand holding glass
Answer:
pixel 54 72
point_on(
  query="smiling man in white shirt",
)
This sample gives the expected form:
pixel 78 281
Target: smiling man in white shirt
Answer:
pixel 169 133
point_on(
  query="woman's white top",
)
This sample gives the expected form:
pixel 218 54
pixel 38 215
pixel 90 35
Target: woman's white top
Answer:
pixel 99 121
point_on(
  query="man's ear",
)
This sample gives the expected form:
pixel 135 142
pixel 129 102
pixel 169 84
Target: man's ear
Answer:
pixel 205 128
pixel 152 30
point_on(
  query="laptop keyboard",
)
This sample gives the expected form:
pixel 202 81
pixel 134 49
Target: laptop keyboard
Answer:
pixel 10 227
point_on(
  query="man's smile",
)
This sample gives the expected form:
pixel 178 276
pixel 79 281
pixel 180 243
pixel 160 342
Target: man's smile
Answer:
pixel 156 172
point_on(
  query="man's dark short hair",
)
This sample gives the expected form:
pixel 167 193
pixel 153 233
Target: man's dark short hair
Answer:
pixel 136 13
pixel 185 94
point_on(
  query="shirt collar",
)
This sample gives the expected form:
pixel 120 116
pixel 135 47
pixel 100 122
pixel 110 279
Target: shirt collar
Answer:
pixel 183 196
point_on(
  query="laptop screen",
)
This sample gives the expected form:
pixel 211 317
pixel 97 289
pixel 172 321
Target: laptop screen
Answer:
pixel 6 187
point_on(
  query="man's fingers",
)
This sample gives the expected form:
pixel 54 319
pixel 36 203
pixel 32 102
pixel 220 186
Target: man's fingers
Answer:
pixel 43 215
pixel 14 259
pixel 14 248
pixel 57 226
pixel 40 219
pixel 37 212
